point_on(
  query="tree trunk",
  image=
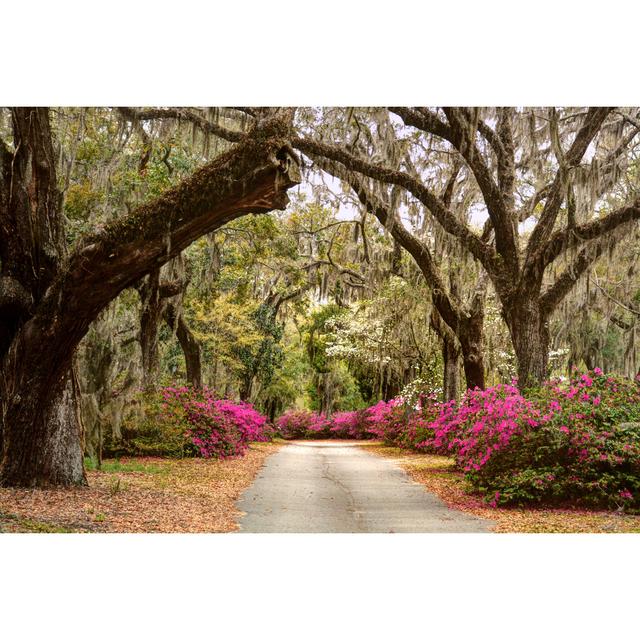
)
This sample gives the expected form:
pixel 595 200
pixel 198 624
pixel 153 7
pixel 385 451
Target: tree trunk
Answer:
pixel 469 336
pixel 42 438
pixel 188 343
pixel 150 317
pixel 529 330
pixel 451 369
pixel 245 390
pixel 472 355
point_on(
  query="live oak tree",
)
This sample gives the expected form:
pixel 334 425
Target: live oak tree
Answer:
pixel 544 179
pixel 50 294
pixel 457 315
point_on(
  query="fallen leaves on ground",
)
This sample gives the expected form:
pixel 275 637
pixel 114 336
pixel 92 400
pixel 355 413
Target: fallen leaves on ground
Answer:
pixel 144 495
pixel 439 476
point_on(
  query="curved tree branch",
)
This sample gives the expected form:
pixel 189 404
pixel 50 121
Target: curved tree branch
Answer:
pixel 457 133
pixel 569 237
pixel 253 177
pixel 136 115
pixel 565 282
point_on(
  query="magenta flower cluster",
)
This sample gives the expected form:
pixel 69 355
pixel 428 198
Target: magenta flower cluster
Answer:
pixel 575 441
pixel 214 427
pixel 354 425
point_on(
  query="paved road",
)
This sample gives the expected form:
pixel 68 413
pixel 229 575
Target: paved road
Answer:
pixel 337 487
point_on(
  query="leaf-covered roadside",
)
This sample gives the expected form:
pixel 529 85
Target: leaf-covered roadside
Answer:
pixel 145 495
pixel 439 476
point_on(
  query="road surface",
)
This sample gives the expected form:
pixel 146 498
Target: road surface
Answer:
pixel 337 487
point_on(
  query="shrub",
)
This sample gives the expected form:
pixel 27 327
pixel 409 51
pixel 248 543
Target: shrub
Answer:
pixel 152 429
pixel 301 424
pixel 179 421
pixel 388 421
pixel 297 424
pixel 352 425
pixel 577 441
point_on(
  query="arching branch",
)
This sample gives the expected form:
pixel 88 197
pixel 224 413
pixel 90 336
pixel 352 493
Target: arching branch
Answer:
pixel 456 133
pixel 569 237
pixel 185 115
pixel 449 311
pixel 566 281
pixel 253 177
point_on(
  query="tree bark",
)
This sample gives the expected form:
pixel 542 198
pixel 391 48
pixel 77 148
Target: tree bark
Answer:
pixel 188 343
pixel 153 306
pixel 451 370
pixel 528 326
pixel 450 357
pixel 471 342
pixel 41 440
pixel 41 428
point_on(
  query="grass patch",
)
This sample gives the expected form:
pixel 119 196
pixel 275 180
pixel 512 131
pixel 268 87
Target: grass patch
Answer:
pixel 126 466
pixel 10 523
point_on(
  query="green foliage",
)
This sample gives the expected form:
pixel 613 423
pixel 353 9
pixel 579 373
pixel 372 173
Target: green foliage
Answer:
pixel 127 466
pixel 335 389
pixel 148 432
pixel 318 335
pixel 289 383
pixel 262 359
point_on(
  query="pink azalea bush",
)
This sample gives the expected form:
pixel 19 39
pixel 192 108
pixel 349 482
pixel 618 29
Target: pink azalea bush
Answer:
pixel 299 423
pixel 353 425
pixel 180 421
pixel 575 442
pixel 213 427
pixel 388 422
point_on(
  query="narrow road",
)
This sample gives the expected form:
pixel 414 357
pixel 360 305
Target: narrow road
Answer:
pixel 337 487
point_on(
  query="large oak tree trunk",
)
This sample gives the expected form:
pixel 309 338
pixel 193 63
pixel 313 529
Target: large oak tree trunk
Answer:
pixel 40 419
pixel 59 297
pixel 472 351
pixel 529 330
pixel 466 341
pixel 43 444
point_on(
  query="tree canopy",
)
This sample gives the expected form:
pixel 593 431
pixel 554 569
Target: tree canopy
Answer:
pixel 438 247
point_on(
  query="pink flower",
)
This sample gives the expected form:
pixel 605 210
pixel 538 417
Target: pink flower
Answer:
pixel 494 501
